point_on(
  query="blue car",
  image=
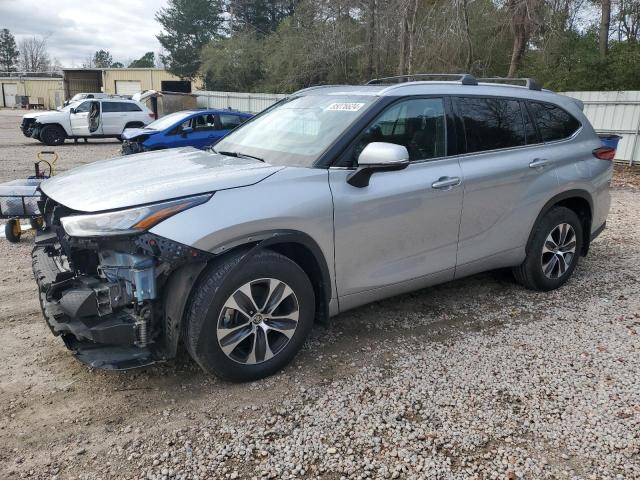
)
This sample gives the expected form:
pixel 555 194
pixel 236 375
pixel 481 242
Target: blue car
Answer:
pixel 190 128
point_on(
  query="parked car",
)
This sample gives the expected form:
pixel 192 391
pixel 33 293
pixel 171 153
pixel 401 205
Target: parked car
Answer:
pixel 91 118
pixel 335 197
pixel 191 128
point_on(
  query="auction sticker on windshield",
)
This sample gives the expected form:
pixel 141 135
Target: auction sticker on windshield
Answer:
pixel 345 107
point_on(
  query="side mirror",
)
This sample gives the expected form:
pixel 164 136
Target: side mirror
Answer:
pixel 186 130
pixel 72 111
pixel 378 157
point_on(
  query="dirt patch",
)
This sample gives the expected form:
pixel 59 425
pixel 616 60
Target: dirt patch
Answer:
pixel 626 176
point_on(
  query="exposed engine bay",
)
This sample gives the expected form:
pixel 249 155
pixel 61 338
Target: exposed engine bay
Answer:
pixel 103 295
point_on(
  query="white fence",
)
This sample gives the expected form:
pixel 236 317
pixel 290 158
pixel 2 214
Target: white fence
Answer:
pixel 615 112
pixel 246 102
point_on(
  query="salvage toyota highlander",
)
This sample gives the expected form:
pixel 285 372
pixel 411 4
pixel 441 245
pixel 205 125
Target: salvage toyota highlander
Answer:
pixel 335 197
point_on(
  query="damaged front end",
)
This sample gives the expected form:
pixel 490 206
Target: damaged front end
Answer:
pixel 104 295
pixel 132 146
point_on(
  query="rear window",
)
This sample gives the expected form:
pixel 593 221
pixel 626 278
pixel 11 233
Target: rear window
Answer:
pixel 491 123
pixel 229 122
pixel 553 122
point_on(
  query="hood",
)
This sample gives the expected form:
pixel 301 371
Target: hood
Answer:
pixel 42 114
pixel 130 133
pixel 152 177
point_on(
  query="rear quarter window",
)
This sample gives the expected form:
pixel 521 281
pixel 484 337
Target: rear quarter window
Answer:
pixel 491 123
pixel 553 122
pixel 130 107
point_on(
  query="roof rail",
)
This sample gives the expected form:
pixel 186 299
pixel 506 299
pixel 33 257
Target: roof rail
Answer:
pixel 464 78
pixel 529 83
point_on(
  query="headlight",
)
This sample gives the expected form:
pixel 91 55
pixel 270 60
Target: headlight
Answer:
pixel 129 221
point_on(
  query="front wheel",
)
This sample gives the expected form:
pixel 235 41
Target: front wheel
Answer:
pixel 52 135
pixel 553 252
pixel 248 322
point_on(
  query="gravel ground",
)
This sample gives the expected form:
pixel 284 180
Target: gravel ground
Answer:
pixel 477 378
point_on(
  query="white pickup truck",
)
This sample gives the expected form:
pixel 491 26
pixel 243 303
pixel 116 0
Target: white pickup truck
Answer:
pixel 89 118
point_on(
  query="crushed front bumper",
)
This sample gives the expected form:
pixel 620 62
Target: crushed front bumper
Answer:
pixel 105 298
pixel 111 341
pixel 130 147
pixel 27 125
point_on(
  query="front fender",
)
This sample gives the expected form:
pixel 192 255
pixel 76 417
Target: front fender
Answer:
pixel 292 200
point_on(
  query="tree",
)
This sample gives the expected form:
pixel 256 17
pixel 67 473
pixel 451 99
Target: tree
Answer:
pixel 188 25
pixel 117 65
pixel 34 56
pixel 102 59
pixel 233 63
pixel 258 16
pixel 523 16
pixel 8 51
pixel 605 20
pixel 148 60
pixel 628 19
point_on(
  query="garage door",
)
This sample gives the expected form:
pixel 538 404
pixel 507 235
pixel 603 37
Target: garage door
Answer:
pixel 10 90
pixel 128 87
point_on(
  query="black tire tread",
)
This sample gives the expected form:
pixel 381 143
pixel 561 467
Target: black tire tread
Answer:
pixel 210 282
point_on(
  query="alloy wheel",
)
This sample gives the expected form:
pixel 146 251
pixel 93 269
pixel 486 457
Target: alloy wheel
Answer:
pixel 257 321
pixel 558 251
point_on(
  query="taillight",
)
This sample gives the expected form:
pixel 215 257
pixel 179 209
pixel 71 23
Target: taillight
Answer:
pixel 604 153
pixel 152 115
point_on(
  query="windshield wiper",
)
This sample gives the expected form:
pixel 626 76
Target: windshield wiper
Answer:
pixel 238 155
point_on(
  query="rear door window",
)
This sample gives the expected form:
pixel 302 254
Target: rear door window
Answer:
pixel 491 123
pixel 110 107
pixel 553 122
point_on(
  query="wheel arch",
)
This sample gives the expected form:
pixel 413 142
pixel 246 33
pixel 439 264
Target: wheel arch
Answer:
pixel 297 246
pixel 581 202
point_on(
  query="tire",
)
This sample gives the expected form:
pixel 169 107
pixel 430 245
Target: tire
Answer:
pixel 208 313
pixel 540 271
pixel 12 231
pixel 52 135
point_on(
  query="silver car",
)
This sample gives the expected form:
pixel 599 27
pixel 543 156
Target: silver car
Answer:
pixel 335 197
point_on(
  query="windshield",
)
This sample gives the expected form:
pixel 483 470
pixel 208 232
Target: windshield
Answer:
pixel 298 131
pixel 168 121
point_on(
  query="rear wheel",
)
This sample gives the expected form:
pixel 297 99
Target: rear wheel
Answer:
pixel 553 252
pixel 12 230
pixel 247 323
pixel 52 135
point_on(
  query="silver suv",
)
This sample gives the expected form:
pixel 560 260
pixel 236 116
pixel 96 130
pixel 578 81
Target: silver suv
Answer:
pixel 335 197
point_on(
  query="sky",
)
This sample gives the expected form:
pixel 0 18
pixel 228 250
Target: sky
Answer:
pixel 76 29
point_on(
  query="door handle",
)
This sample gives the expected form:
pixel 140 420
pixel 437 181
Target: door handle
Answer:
pixel 446 183
pixel 539 163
